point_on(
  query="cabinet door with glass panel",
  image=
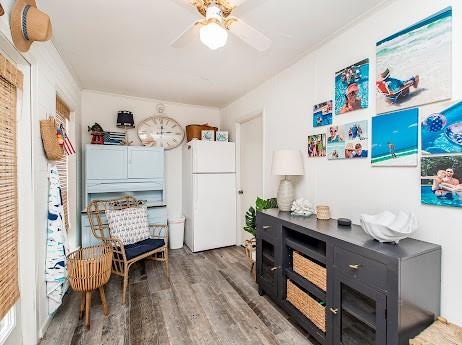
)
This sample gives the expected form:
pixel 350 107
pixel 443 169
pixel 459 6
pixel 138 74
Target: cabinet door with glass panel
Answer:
pixel 359 313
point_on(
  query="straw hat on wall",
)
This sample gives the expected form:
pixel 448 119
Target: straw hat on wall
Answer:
pixel 29 24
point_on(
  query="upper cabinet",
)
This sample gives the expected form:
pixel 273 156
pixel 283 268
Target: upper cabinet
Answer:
pixel 124 162
pixel 106 162
pixel 145 162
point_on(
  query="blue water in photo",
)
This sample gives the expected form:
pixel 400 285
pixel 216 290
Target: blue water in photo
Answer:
pixel 399 128
pixel 322 120
pixel 363 85
pixel 450 199
pixel 442 133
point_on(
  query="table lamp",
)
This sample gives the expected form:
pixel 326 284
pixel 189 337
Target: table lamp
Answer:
pixel 286 163
pixel 125 120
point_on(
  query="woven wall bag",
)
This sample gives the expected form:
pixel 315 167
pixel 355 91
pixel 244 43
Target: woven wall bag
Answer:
pixel 48 132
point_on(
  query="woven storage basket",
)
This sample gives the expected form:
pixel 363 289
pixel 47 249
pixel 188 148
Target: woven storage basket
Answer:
pixel 195 131
pixel 48 132
pixel 322 212
pixel 441 332
pixel 307 305
pixel 310 270
pixel 89 268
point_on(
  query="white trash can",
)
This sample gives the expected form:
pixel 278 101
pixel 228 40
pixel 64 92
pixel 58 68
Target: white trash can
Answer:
pixel 176 232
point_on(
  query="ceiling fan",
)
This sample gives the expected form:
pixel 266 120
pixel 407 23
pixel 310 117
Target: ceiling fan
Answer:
pixel 213 28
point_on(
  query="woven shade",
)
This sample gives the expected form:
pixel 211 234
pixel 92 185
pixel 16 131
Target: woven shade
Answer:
pixel 10 78
pixel 62 108
pixel 10 73
pixel 62 166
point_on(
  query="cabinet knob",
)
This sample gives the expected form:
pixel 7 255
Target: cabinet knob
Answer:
pixel 266 227
pixel 334 310
pixel 240 192
pixel 274 268
pixel 354 267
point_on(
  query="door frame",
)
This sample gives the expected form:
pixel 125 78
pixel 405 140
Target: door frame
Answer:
pixel 25 329
pixel 250 116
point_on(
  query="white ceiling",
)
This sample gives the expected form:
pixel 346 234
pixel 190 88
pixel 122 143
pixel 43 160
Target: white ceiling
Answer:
pixel 122 46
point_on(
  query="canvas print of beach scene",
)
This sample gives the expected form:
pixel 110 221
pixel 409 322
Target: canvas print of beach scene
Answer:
pixel 352 87
pixel 414 65
pixel 441 178
pixel 395 138
pixel 322 114
pixel 317 145
pixel 348 141
pixel 442 130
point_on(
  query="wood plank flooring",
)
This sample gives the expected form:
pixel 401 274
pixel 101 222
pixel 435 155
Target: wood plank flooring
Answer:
pixel 211 299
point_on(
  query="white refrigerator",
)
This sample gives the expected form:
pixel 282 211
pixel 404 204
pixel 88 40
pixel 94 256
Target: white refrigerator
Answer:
pixel 209 194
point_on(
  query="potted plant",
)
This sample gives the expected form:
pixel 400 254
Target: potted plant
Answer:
pixel 251 226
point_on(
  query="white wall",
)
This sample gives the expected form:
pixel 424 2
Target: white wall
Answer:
pixel 354 187
pixel 49 76
pixel 103 107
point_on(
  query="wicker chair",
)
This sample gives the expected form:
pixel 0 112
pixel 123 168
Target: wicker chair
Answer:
pixel 155 248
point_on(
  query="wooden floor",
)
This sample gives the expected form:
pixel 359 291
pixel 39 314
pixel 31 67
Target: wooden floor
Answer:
pixel 211 299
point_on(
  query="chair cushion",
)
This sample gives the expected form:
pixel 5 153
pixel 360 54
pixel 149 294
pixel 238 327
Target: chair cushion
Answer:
pixel 130 225
pixel 136 249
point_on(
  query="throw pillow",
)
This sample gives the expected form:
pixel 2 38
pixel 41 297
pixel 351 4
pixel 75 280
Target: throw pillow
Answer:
pixel 129 225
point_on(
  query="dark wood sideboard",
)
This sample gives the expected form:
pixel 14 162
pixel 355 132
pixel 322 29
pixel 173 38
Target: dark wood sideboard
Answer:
pixel 376 293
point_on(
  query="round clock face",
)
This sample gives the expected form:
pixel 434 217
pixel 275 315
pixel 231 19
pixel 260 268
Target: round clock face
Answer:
pixel 160 131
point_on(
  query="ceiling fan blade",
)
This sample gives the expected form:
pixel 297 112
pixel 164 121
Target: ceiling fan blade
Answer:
pixel 243 6
pixel 187 4
pixel 249 34
pixel 187 36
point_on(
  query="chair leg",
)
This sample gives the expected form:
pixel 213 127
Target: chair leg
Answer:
pixel 87 308
pixel 166 263
pixel 125 286
pixel 82 306
pixel 103 300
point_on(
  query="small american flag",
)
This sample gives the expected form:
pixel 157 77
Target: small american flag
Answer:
pixel 67 145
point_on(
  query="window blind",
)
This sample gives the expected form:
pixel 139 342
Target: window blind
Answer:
pixel 10 80
pixel 62 164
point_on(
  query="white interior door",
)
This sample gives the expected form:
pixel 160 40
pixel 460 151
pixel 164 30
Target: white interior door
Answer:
pixel 251 168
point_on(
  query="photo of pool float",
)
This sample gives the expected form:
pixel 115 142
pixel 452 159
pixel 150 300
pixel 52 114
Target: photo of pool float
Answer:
pixel 442 131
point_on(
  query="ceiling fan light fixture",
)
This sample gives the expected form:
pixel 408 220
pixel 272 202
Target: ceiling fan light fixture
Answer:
pixel 213 35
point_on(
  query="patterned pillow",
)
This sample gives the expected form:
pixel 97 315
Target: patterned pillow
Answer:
pixel 129 225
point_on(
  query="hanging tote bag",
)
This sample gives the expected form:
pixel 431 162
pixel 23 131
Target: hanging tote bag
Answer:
pixel 48 131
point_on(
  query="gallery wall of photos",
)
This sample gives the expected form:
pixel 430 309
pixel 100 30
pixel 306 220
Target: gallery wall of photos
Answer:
pixel 413 92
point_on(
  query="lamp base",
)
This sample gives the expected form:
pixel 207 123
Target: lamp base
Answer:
pixel 286 195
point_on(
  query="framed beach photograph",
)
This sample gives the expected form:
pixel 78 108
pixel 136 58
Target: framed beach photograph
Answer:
pixel 441 178
pixel 395 138
pixel 442 129
pixel 208 135
pixel 322 114
pixel 221 136
pixel 414 64
pixel 352 87
pixel 348 141
pixel 317 145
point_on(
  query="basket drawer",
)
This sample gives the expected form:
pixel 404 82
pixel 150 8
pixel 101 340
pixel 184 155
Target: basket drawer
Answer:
pixel 441 332
pixel 310 270
pixel 307 305
pixel 359 267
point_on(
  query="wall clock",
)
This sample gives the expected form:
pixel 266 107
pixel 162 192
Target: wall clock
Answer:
pixel 160 131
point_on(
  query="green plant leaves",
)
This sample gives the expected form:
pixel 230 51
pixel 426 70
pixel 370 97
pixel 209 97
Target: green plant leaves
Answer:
pixel 251 214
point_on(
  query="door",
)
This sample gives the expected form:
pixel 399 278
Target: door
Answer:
pixel 251 169
pixel 359 313
pixel 214 208
pixel 145 162
pixel 213 157
pixel 106 163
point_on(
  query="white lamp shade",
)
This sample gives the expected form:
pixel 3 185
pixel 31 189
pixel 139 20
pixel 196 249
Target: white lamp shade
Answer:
pixel 287 162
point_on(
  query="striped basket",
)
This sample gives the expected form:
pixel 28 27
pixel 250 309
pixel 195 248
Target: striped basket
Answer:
pixel 310 270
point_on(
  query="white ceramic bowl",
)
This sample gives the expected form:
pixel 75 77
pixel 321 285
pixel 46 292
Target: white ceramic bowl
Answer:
pixel 388 226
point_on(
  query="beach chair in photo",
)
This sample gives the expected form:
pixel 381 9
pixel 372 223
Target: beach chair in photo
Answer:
pixel 393 97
